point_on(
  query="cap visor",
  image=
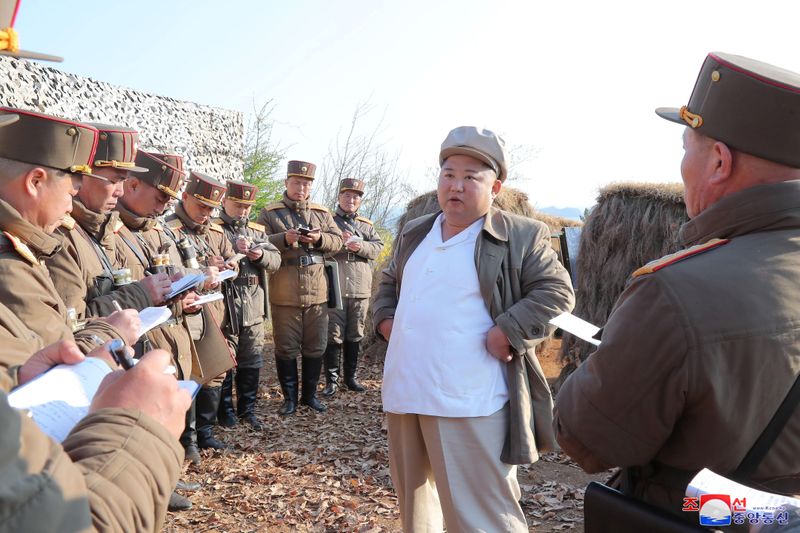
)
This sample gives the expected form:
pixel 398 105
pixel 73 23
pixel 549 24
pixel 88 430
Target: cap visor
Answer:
pixel 240 201
pixel 6 120
pixel 673 114
pixel 32 55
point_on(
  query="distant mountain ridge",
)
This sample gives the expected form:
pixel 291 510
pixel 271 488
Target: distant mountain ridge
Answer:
pixel 567 212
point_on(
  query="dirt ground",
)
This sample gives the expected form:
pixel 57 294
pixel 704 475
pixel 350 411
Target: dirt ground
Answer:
pixel 329 472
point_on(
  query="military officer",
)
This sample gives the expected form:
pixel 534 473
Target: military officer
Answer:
pixel 362 244
pixel 42 160
pixel 247 306
pixel 83 270
pixel 703 346
pixel 192 221
pixel 298 291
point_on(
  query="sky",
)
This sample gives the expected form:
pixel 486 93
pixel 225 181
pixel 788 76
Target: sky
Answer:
pixel 576 82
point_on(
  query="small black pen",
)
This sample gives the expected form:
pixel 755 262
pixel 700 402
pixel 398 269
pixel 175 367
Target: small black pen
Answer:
pixel 117 349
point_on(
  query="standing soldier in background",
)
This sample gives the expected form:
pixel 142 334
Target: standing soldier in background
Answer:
pixel 362 244
pixel 247 306
pixel 192 221
pixel 298 291
pixel 83 269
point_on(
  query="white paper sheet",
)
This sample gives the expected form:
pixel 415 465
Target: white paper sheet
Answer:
pixel 226 274
pixel 59 398
pixel 186 282
pixel 152 317
pixel 208 298
pixel 577 326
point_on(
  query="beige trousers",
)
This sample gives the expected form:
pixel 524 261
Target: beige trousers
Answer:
pixel 449 469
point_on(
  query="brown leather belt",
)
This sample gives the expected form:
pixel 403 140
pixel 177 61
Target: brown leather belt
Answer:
pixel 247 281
pixel 304 261
pixel 354 258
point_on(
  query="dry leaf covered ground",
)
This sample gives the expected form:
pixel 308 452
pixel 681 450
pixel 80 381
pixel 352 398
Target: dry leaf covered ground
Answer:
pixel 330 472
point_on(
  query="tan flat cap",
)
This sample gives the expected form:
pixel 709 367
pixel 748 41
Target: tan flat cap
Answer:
pixel 483 145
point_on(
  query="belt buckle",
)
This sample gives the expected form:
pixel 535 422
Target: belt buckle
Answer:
pixel 305 260
pixel 351 256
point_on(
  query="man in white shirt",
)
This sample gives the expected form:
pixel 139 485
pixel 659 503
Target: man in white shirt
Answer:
pixel 465 396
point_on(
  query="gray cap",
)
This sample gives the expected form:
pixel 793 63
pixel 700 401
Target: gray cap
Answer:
pixel 483 145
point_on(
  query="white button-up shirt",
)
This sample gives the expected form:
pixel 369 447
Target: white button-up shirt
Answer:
pixel 437 363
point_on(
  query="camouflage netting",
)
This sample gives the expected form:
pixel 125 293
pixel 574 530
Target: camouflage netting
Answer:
pixel 632 223
pixel 511 200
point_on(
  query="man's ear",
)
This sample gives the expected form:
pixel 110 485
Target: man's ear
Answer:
pixel 33 182
pixel 496 186
pixel 724 163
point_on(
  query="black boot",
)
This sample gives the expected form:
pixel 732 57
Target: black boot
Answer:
pixel 351 350
pixel 331 357
pixel 311 371
pixel 189 437
pixel 287 375
pixel 247 394
pixel 207 404
pixel 225 414
pixel 178 502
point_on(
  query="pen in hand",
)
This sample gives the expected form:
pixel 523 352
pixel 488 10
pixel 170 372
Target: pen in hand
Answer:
pixel 117 350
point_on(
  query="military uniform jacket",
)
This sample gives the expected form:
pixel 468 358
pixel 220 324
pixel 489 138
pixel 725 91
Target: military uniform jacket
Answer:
pixel 136 243
pixel 523 286
pixel 27 289
pixel 114 472
pixel 18 342
pixel 249 288
pixel 355 269
pixel 208 239
pixel 292 284
pixel 698 353
pixel 87 255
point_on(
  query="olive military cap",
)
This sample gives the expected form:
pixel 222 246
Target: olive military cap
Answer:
pixel 301 169
pixel 9 39
pixel 483 145
pixel 241 192
pixel 207 190
pixel 116 148
pixel 39 139
pixel 352 184
pixel 751 106
pixel 164 171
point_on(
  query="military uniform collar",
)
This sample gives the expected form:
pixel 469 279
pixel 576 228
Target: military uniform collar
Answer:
pixel 40 243
pixel 292 204
pixel 346 216
pixel 235 223
pixel 93 223
pixel 761 208
pixel 188 222
pixel 134 221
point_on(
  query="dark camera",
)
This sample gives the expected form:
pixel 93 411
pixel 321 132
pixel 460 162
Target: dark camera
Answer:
pixel 304 230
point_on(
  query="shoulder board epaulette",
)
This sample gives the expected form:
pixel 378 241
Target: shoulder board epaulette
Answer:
pixel 256 226
pixel 365 220
pixel 318 207
pixel 158 227
pixel 217 220
pixel 67 222
pixel 273 207
pixel 22 248
pixel 215 227
pixel 174 223
pixel 118 226
pixel 658 264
